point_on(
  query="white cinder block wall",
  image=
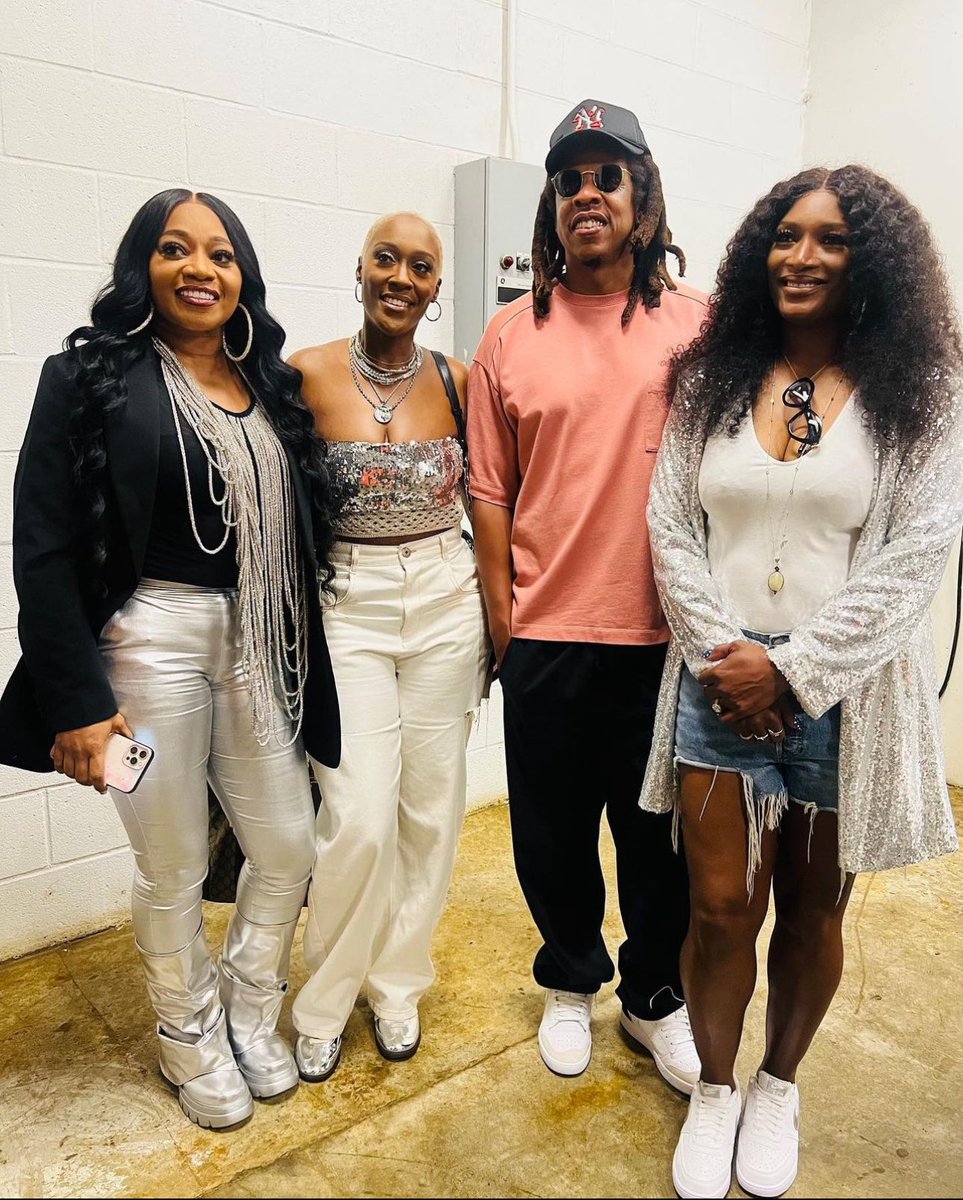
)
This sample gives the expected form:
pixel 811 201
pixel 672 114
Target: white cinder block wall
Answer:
pixel 311 117
pixel 901 111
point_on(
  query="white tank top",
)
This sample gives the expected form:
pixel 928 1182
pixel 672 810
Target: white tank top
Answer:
pixel 831 499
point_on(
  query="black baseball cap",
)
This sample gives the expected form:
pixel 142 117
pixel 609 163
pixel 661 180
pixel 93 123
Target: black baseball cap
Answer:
pixel 593 119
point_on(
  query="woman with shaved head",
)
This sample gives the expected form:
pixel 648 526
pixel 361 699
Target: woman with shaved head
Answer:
pixel 406 629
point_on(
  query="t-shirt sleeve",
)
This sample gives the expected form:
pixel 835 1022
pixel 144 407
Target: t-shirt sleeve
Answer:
pixel 492 436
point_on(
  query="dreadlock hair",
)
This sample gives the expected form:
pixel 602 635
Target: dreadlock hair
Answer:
pixel 650 241
pixel 103 351
pixel 901 344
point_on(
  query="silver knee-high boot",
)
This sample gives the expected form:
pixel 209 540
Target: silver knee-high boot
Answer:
pixel 254 968
pixel 195 1052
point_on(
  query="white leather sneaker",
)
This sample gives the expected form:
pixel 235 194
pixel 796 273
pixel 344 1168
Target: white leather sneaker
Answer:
pixel 565 1034
pixel 702 1163
pixel 670 1043
pixel 768 1156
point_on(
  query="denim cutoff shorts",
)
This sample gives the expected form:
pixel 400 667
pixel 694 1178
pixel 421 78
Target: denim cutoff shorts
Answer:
pixel 803 767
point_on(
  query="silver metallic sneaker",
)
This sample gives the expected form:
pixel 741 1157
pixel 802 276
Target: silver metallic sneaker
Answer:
pixel 317 1058
pixel 397 1040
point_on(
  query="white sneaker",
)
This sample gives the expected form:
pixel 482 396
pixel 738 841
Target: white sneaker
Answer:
pixel 702 1163
pixel 565 1034
pixel 768 1155
pixel 670 1043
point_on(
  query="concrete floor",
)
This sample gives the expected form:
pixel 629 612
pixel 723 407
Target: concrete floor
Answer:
pixel 84 1112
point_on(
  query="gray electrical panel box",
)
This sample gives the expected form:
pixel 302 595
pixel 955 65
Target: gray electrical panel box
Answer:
pixel 495 204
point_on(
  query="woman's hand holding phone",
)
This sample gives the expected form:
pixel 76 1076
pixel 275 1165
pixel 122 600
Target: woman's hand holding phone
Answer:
pixel 79 753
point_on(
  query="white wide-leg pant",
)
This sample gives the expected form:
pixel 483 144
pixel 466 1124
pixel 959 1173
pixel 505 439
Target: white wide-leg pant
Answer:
pixel 406 632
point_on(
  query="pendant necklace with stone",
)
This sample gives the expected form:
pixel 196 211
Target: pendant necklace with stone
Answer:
pixel 776 579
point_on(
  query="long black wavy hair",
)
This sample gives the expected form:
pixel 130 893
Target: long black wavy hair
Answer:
pixel 901 342
pixel 104 352
pixel 650 240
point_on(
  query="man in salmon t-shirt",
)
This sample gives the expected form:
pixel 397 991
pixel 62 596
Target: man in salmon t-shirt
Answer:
pixel 565 412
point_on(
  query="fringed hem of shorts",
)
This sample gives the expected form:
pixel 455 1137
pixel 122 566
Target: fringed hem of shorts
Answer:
pixel 762 812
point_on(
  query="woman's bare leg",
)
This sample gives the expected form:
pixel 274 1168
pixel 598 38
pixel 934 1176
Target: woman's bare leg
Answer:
pixel 719 953
pixel 806 950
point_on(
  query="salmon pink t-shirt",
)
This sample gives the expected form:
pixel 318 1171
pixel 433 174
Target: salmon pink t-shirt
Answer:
pixel 565 416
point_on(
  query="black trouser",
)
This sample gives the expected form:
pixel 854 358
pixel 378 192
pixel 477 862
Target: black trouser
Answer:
pixel 578 728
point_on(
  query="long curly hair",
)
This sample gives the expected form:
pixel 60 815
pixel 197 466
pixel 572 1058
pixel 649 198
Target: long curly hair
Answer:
pixel 103 353
pixel 650 240
pixel 901 344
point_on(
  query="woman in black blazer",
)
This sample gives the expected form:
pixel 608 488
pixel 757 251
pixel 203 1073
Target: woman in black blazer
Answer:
pixel 169 520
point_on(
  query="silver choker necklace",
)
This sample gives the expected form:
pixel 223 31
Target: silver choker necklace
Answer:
pixel 377 372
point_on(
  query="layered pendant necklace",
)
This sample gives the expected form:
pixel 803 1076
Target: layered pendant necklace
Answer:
pixel 384 376
pixel 776 579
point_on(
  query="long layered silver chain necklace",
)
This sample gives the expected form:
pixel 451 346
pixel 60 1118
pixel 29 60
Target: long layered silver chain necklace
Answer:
pixel 257 503
pixel 384 376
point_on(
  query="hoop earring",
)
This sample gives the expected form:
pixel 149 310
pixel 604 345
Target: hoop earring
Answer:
pixel 356 287
pixel 146 321
pixel 433 319
pixel 247 345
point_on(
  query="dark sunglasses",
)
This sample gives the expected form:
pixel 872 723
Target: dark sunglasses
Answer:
pixel 607 177
pixel 805 425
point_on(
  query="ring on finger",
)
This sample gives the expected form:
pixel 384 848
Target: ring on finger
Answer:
pixel 746 737
pixel 774 732
pixel 716 707
pixel 761 737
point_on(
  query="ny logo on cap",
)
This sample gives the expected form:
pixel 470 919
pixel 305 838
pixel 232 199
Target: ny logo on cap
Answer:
pixel 591 119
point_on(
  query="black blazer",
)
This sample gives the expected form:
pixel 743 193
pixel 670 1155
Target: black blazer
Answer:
pixel 60 682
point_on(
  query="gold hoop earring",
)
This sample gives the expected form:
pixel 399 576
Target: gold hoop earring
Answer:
pixel 247 345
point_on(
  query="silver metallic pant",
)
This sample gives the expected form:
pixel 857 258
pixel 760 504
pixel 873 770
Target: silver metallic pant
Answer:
pixel 173 656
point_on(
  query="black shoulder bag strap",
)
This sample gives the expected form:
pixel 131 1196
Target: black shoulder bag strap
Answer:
pixel 455 405
pixel 452 392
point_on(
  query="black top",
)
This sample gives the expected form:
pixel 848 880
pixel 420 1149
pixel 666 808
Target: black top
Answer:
pixel 172 551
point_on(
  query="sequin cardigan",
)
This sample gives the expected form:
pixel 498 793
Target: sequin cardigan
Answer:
pixel 870 647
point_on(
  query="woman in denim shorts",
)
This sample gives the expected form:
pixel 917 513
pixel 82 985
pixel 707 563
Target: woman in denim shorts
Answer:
pixel 806 496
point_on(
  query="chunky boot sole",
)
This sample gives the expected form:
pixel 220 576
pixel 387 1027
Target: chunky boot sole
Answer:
pixel 208 1119
pixel 268 1089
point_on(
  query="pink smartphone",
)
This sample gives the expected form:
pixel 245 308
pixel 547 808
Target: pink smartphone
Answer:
pixel 125 762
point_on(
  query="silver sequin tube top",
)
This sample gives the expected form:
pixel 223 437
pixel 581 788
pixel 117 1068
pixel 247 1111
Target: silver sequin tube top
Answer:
pixel 391 489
